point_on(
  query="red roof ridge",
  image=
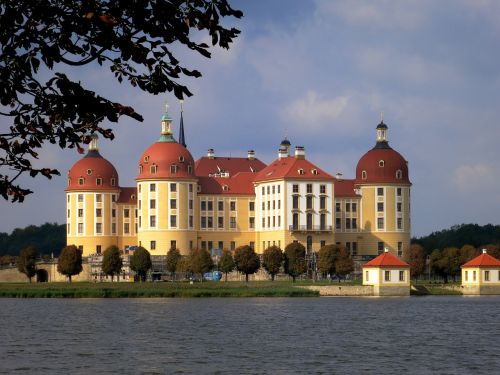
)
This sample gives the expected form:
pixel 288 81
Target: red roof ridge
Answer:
pixel 483 260
pixel 386 259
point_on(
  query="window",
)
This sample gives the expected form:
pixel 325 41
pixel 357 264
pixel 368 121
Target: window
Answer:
pixel 203 222
pixel 173 204
pixel 173 169
pixel 204 245
pixel 486 275
pixel 251 222
pixel 98 181
pixel 278 187
pixel 467 275
pixel 98 212
pixel 380 247
pixel 274 189
pixel 126 228
pixel 232 206
pixel 220 222
pixel 98 228
pixel 279 204
pixel 354 223
pixel 387 275
pixel 473 275
pixel 146 159
pixel 279 221
pixel 220 244
pixel 300 171
pixel 398 192
pixel 81 181
pixel 322 203
pixel 268 190
pixel 140 188
pixel 295 202
pixel 210 222
pixel 380 192
pixel 210 206
pixel 400 223
pixel 152 245
pixel 220 205
pixel 113 198
pixel 354 248
pixel 263 206
pixel 364 176
pixel 113 228
pixel 347 223
pixel 322 221
pixel 380 206
pixel 98 197
pixel 233 245
pixel 399 174
pixel 354 207
pixel 401 275
pixel 173 244
pixel 80 212
pixel 309 202
pixel 381 163
pixel 153 169
pixel 67 228
pixel 190 169
pixel 98 249
pixel 400 249
pixel 263 190
pixel 314 171
pixel 251 206
pixel 89 172
pixel 295 219
pixel 190 204
pixel 80 197
pixel 309 188
pixel 203 205
pixel 347 207
pixel 337 207
pixel 113 181
pixel 173 187
pixel 295 189
pixel 366 276
pixel 380 223
pixel 152 187
pixel 173 220
pixel 152 203
pixel 113 213
pixel 263 222
pixel 190 221
pixel 232 222
pixel 309 219
pixel 322 189
pixel 252 244
pixel 338 224
pixel 398 207
pixel 135 212
pixel 274 204
pixel 80 228
pixel 268 205
pixel 152 221
pixel 348 246
pixel 190 188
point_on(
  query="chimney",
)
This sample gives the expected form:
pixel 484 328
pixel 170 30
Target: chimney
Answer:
pixel 210 153
pixel 251 154
pixel 386 250
pixel 282 152
pixel 338 176
pixel 300 152
pixel 485 251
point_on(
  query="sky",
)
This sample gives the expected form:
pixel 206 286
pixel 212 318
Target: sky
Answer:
pixel 322 72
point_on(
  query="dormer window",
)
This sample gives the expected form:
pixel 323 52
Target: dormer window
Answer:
pixel 314 171
pixel 89 172
pixel 381 163
pixel 190 169
pixel 98 181
pixel 198 188
pixel 225 187
pixel 113 181
pixel 69 183
pixel 81 181
pixel 146 159
pixel 301 171
pixel 153 169
pixel 399 174
pixel 173 169
pixel 140 168
pixel 181 158
pixel 364 175
pixel 132 197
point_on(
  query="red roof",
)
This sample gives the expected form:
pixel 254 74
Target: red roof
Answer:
pixel 206 166
pixel 381 165
pixel 345 188
pixel 128 195
pixel 92 168
pixel 239 184
pixel 386 259
pixel 483 260
pixel 292 168
pixel 164 155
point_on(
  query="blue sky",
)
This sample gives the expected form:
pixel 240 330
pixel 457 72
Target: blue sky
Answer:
pixel 322 71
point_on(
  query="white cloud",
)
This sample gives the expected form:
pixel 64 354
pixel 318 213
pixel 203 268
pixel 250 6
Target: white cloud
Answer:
pixel 313 110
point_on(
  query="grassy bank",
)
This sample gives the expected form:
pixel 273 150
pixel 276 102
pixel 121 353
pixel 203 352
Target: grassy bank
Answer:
pixel 433 290
pixel 149 290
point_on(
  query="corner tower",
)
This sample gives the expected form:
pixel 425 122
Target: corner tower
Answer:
pixel 383 182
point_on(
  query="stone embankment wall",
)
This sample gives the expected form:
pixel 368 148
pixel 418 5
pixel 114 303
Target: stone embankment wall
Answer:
pixel 12 275
pixel 342 290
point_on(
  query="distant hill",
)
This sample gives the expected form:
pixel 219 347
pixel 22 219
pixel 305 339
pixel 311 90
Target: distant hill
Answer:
pixel 48 238
pixel 459 235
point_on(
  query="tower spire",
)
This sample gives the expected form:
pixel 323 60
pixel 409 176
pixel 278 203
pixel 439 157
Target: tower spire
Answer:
pixel 182 139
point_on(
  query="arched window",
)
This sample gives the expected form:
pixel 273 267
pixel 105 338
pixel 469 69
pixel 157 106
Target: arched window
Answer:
pixel 98 181
pixel 81 181
pixel 399 174
pixel 381 163
pixel 113 181
pixel 140 168
pixel 153 169
pixel 69 183
pixel 173 169
pixel 314 171
pixel 301 171
pixel 190 169
pixel 364 176
pixel 146 159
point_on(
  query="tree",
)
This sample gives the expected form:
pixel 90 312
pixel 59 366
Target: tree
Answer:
pixel 416 260
pixel 246 260
pixel 112 261
pixel 131 38
pixel 295 259
pixel 468 252
pixel 70 261
pixel 326 259
pixel 446 262
pixel 272 259
pixel 226 263
pixel 344 264
pixel 27 261
pixel 493 250
pixel 201 261
pixel 173 258
pixel 140 262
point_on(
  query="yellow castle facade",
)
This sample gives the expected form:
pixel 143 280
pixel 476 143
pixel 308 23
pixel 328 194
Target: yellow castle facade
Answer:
pixel 224 202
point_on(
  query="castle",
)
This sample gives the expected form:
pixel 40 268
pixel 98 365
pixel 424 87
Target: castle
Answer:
pixel 224 202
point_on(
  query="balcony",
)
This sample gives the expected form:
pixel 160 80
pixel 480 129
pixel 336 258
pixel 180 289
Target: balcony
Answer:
pixel 310 228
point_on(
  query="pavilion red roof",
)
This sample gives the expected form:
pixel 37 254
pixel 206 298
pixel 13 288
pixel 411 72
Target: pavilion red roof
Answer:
pixel 128 195
pixel 239 184
pixel 292 168
pixel 483 260
pixel 206 166
pixel 345 188
pixel 386 259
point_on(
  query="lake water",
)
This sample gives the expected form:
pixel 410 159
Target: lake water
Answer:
pixel 414 335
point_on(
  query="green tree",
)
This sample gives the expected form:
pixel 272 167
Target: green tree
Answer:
pixel 27 261
pixel 272 259
pixel 468 252
pixel 246 260
pixel 295 259
pixel 416 259
pixel 446 263
pixel 133 39
pixel 173 258
pixel 140 263
pixel 326 259
pixel 201 261
pixel 69 262
pixel 112 261
pixel 344 264
pixel 226 263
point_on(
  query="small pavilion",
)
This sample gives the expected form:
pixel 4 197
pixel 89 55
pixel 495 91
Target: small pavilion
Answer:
pixel 481 275
pixel 388 274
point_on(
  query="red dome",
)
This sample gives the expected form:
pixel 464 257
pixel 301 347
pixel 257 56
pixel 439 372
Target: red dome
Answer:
pixel 382 165
pixel 166 159
pixel 93 172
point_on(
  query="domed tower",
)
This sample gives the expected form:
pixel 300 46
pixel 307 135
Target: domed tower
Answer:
pixel 166 194
pixel 90 198
pixel 383 181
